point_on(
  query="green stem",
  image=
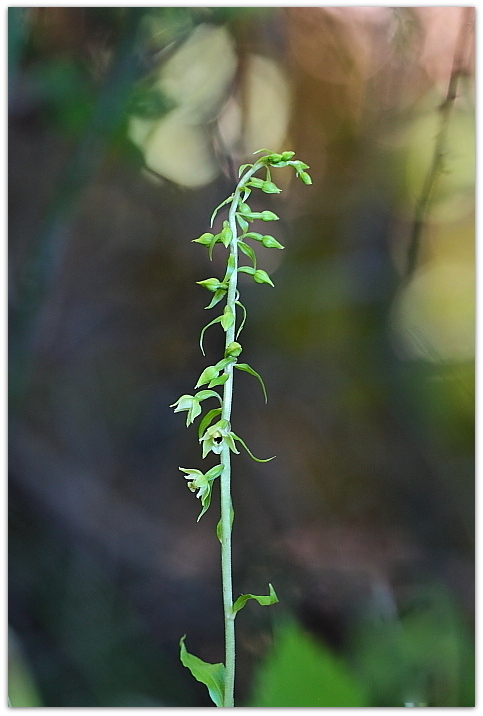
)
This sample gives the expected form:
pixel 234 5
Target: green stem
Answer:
pixel 225 477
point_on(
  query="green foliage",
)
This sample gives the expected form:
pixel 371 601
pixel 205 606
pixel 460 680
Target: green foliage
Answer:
pixel 298 672
pixel 424 657
pixel 212 675
pixel 263 601
pixel 218 437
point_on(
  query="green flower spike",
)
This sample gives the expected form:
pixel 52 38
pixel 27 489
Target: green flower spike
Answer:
pixel 214 429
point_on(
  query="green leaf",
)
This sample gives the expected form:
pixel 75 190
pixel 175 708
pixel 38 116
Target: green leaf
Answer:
pixel 211 675
pixel 230 267
pixel 228 318
pixel 236 437
pixel 248 251
pixel 264 601
pixel 211 245
pixel 222 364
pixel 208 374
pixel 204 394
pixel 218 296
pixel 211 323
pixel 214 472
pixel 205 499
pixel 245 367
pixel 243 319
pixel 207 419
pixel 219 207
pixel 242 223
pixel 218 381
pixel 261 276
pixel 301 672
pixel 242 168
pixel 218 526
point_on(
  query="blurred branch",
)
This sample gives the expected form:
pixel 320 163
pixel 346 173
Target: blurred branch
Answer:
pixel 46 250
pixel 458 70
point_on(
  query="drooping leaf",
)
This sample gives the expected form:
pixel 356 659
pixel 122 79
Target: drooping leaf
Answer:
pixel 218 296
pixel 206 420
pixel 264 601
pixel 204 394
pixel 211 675
pixel 248 369
pixel 236 437
pixel 242 223
pixel 242 168
pixel 243 319
pixel 211 323
pixel 248 251
pixel 219 207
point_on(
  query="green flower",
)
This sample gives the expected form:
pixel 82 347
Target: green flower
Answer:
pixel 216 437
pixel 189 403
pixel 203 482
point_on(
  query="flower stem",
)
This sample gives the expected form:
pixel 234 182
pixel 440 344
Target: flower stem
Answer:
pixel 225 477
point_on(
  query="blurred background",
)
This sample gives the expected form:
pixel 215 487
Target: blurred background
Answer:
pixel 126 128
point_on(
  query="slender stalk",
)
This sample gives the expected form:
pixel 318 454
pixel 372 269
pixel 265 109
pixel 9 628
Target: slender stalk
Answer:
pixel 225 477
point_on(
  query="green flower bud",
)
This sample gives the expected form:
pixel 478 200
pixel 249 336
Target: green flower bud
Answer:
pixel 208 375
pixel 271 243
pixel 273 158
pixel 268 216
pixel 204 239
pixel 233 350
pixel 212 284
pixel 226 235
pixel 261 276
pixel 287 155
pixel 270 188
pixel 256 182
pixel 305 178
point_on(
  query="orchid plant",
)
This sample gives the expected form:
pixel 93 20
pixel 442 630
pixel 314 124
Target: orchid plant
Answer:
pixel 214 429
